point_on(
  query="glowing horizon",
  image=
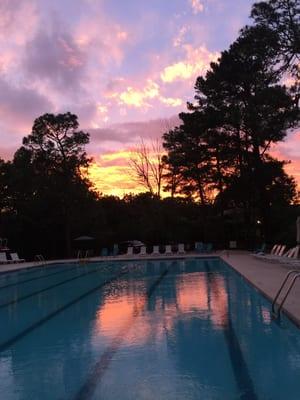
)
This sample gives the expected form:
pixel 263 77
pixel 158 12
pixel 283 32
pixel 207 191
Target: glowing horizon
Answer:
pixel 126 69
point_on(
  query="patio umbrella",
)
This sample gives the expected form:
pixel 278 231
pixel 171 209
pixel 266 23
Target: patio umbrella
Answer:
pixel 84 238
pixel 84 242
pixel 136 243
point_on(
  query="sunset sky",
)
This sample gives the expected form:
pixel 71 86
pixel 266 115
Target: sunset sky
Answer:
pixel 125 67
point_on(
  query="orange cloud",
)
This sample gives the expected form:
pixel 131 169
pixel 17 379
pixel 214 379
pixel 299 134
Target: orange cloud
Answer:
pixel 138 97
pixel 197 62
pixel 111 174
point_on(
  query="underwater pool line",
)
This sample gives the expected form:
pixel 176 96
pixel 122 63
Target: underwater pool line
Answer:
pixel 8 343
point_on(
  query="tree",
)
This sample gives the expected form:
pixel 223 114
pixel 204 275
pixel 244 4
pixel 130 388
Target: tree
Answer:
pixel 4 197
pixel 240 110
pixel 55 156
pixel 282 19
pixel 147 166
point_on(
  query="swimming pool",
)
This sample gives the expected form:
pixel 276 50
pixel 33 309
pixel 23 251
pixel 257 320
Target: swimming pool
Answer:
pixel 165 329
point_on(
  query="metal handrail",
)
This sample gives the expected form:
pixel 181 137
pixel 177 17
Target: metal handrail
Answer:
pixel 39 257
pixel 296 275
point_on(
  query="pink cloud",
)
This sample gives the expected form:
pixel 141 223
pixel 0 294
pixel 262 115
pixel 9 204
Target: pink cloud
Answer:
pixel 197 6
pixel 55 57
pixel 19 106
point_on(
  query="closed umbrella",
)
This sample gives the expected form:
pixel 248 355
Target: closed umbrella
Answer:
pixel 84 238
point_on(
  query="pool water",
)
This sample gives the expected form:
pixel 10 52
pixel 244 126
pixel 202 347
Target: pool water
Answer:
pixel 172 329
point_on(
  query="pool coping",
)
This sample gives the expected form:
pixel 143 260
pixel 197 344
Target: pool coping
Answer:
pixel 295 319
pixel 6 268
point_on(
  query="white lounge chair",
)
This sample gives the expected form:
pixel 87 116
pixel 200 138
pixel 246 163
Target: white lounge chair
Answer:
pixel 155 251
pixel 4 260
pixel 181 248
pixel 276 253
pixel 15 258
pixel 129 251
pixel 143 251
pixel 168 249
pixel 275 249
pixel 290 257
pixel 279 256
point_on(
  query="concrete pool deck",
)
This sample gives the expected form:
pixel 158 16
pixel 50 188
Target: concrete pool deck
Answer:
pixel 265 276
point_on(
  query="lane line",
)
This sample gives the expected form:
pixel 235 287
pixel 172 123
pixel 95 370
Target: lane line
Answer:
pixel 65 269
pixel 8 343
pixel 27 296
pixel 239 366
pixel 97 372
pixel 33 279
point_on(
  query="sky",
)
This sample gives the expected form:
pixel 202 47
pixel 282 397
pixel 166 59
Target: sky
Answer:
pixel 125 67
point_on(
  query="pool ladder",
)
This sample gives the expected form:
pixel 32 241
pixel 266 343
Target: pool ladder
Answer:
pixel 40 258
pixel 287 285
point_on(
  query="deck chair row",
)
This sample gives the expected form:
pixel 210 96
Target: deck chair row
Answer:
pixel 14 258
pixel 168 250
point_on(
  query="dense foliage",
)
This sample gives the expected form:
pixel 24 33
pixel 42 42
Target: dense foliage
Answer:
pixel 218 161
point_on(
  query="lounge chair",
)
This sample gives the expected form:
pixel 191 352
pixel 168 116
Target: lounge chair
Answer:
pixel 143 251
pixel 129 251
pixel 4 260
pixel 155 251
pixel 275 249
pixel 276 256
pixel 181 248
pixel 168 249
pixel 290 257
pixel 15 258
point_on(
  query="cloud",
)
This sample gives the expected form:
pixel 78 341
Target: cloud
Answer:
pixel 138 98
pixel 179 38
pixel 111 174
pixel 19 106
pixel 101 38
pixel 14 33
pixel 173 102
pixel 54 56
pixel 13 14
pixel 131 132
pixel 197 6
pixel 196 62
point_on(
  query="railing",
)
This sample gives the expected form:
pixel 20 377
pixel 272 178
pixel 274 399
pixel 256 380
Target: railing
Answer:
pixel 288 283
pixel 40 258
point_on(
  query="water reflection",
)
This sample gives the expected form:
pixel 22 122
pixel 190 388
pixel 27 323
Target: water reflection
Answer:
pixel 187 295
pixel 189 338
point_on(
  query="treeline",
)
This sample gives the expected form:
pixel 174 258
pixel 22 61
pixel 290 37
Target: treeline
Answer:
pixel 218 160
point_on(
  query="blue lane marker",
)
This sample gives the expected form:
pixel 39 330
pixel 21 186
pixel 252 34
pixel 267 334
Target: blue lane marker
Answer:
pixel 94 378
pixel 27 296
pixel 34 279
pixel 238 363
pixel 8 343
